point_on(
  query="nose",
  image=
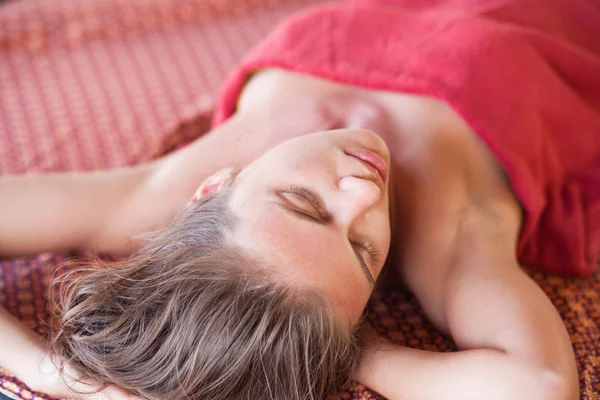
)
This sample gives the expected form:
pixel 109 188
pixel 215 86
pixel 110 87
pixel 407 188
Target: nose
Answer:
pixel 356 197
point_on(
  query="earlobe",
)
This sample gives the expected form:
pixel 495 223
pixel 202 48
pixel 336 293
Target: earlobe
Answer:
pixel 213 184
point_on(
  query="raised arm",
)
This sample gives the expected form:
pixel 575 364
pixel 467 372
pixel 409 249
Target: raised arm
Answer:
pixel 513 344
pixel 53 212
pixel 35 367
pixel 105 210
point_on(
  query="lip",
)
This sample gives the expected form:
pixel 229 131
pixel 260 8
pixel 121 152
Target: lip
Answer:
pixel 372 159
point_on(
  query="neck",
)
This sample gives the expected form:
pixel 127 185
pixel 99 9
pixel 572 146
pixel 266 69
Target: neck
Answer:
pixel 437 161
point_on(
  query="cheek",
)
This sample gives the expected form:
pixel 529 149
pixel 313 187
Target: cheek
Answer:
pixel 379 228
pixel 260 169
pixel 304 165
pixel 291 164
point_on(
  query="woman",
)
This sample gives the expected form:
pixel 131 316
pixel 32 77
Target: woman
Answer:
pixel 358 135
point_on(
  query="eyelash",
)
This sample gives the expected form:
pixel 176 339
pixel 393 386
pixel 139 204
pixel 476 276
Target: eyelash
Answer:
pixel 368 247
pixel 311 198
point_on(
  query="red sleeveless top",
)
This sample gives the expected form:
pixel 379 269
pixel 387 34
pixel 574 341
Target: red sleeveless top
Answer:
pixel 524 74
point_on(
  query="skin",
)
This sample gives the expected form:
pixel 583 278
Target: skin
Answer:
pixel 315 244
pixel 446 218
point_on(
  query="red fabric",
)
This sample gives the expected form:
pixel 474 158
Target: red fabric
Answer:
pixel 104 83
pixel 524 74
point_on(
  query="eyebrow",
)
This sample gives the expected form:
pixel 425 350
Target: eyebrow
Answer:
pixel 305 217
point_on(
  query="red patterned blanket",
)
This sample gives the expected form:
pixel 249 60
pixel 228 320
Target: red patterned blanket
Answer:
pixel 98 84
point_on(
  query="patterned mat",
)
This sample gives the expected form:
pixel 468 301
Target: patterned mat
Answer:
pixel 104 83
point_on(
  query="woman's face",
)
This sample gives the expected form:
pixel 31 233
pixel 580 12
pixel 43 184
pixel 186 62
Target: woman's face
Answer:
pixel 316 208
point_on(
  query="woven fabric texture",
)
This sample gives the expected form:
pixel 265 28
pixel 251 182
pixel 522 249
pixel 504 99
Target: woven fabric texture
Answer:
pixel 104 83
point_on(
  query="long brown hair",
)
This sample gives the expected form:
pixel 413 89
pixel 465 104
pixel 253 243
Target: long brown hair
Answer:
pixel 192 317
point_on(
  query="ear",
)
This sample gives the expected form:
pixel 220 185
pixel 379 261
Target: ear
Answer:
pixel 214 184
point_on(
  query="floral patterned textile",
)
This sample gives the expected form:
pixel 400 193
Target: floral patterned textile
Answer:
pixel 103 83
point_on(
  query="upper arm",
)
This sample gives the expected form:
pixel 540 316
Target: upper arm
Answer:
pixel 512 341
pixel 486 301
pixel 54 212
pixel 105 210
pixel 489 302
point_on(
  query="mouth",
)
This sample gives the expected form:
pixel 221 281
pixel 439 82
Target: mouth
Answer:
pixel 373 160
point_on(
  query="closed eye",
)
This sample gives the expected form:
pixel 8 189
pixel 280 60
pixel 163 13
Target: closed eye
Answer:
pixel 314 200
pixel 311 198
pixel 374 255
pixel 322 219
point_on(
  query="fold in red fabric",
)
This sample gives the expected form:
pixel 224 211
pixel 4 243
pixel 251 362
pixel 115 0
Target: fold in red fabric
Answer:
pixel 525 75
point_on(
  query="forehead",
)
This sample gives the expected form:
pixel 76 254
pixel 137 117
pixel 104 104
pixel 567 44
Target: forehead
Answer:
pixel 301 252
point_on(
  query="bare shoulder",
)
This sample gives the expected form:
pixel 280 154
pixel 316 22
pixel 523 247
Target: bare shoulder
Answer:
pixel 468 212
